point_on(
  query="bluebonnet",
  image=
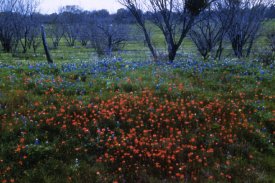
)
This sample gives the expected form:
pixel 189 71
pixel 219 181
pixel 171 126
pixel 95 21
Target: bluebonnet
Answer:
pixel 37 141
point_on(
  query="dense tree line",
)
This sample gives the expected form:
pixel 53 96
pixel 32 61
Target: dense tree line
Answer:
pixel 209 23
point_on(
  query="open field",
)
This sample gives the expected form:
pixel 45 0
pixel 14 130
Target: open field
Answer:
pixel 133 50
pixel 113 120
pixel 125 118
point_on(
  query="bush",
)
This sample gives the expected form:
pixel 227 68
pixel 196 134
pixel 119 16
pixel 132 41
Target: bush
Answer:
pixel 267 57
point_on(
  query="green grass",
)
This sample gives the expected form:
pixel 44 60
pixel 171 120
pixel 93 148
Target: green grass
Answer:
pixel 22 87
pixel 137 49
pixel 26 91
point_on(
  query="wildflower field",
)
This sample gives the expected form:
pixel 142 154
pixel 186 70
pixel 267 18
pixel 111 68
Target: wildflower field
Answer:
pixel 115 120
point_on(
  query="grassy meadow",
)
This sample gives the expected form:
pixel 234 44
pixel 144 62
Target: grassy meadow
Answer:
pixel 128 119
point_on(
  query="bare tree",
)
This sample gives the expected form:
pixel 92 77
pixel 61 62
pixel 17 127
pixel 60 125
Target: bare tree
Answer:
pixel 109 36
pixel 7 6
pixel 135 6
pixel 266 53
pixel 270 12
pixel 210 29
pixel 16 23
pixel 247 19
pixel 26 22
pixel 7 34
pixel 71 20
pixel 34 39
pixel 56 31
pixel 271 40
pixel 206 33
pixel 124 16
pixel 71 34
pixel 173 17
pixel 86 28
pixel 1 2
pixel 85 34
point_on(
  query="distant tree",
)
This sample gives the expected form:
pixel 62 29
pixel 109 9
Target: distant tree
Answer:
pixel 123 16
pixel 247 17
pixel 71 19
pixel 85 33
pixel 266 53
pixel 100 13
pixel 8 6
pixel 270 37
pixel 109 36
pixel 70 9
pixel 34 36
pixel 86 28
pixel 17 23
pixel 49 19
pixel 210 30
pixel 270 13
pixel 207 33
pixel 7 33
pixel 135 6
pixel 55 31
pixel 25 22
pixel 173 17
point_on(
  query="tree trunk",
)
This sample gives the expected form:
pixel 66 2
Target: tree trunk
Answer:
pixel 6 44
pixel 219 50
pixel 172 48
pixel 149 43
pixel 110 45
pixel 47 52
pixel 250 47
pixel 172 52
pixel 238 50
pixel 7 47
